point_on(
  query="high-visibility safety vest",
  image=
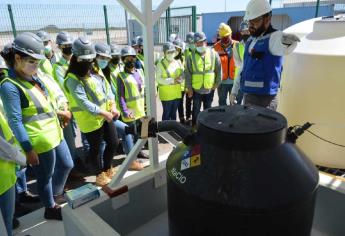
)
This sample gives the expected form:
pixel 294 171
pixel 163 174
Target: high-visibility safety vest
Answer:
pixel 262 70
pixel 62 65
pixel 228 64
pixel 203 69
pixel 46 67
pixel 7 169
pixel 114 73
pixel 239 47
pixel 86 121
pixel 172 91
pixel 39 118
pixel 59 99
pixel 135 99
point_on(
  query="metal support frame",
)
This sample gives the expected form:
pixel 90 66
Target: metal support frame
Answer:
pixel 317 9
pixel 106 23
pixel 147 19
pixel 127 27
pixel 10 12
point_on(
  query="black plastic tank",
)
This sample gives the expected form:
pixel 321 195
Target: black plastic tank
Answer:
pixel 240 177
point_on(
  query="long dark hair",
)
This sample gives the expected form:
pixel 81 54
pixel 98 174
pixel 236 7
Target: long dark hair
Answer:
pixel 75 67
pixel 9 56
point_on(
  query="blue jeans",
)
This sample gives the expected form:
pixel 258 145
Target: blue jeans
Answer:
pixel 170 109
pixel 21 185
pixel 223 91
pixel 52 172
pixel 7 200
pixel 127 140
pixel 69 135
pixel 205 99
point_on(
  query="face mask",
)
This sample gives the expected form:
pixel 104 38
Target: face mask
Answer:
pixel 84 68
pixel 30 67
pixel 47 49
pixel 170 56
pixel 67 51
pixel 102 63
pixel 115 60
pixel 201 49
pixel 129 64
pixel 191 47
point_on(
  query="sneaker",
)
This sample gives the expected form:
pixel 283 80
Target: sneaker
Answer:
pixel 136 166
pixel 110 173
pixel 60 199
pixel 28 197
pixel 102 179
pixel 53 213
pixel 15 223
pixel 143 155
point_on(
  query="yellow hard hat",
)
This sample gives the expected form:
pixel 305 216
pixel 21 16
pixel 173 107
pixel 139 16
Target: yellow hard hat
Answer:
pixel 224 30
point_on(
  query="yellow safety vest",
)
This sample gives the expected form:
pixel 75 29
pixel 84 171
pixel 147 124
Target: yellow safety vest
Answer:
pixel 46 67
pixel 172 91
pixel 56 66
pixel 203 69
pixel 39 118
pixel 135 99
pixel 86 121
pixel 7 169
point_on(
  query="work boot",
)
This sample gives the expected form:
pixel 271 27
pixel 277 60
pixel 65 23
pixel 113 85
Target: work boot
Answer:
pixel 136 166
pixel 21 210
pixel 182 120
pixel 28 197
pixel 102 179
pixel 53 213
pixel 15 223
pixel 143 155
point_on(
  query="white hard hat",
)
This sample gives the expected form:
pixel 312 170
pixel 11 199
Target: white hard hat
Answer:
pixel 257 8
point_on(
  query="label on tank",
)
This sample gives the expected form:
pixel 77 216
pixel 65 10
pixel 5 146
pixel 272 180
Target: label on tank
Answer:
pixel 191 158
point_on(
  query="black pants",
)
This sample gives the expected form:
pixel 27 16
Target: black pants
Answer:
pixel 107 133
pixel 188 107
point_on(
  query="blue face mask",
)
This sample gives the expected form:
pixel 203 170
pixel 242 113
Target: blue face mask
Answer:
pixel 102 63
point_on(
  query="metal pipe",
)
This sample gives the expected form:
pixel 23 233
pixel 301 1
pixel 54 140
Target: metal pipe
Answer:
pixel 14 31
pixel 106 23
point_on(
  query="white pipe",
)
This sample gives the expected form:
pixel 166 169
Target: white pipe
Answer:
pixel 160 9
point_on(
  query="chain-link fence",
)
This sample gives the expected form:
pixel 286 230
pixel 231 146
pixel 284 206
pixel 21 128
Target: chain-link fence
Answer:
pixel 339 5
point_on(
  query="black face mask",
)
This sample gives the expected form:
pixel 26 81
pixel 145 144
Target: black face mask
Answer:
pixel 84 68
pixel 129 64
pixel 67 51
pixel 115 60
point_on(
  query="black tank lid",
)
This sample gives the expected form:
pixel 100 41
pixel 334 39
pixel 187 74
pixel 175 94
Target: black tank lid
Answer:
pixel 242 127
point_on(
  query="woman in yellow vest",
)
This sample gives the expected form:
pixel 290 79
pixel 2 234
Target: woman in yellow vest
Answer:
pixel 91 107
pixel 169 78
pixel 31 113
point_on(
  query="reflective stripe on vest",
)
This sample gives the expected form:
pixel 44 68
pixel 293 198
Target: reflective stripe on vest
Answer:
pixel 172 91
pixel 135 100
pixel 86 121
pixel 39 119
pixel 203 69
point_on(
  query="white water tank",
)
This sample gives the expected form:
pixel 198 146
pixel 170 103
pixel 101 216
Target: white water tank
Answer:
pixel 313 88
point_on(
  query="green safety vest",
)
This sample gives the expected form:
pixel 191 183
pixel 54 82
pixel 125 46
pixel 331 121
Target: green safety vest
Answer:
pixel 203 69
pixel 58 97
pixel 240 49
pixel 7 169
pixel 39 118
pixel 86 121
pixel 56 66
pixel 46 67
pixel 172 91
pixel 135 100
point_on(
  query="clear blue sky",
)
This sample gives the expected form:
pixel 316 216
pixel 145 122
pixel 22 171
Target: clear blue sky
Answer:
pixel 203 6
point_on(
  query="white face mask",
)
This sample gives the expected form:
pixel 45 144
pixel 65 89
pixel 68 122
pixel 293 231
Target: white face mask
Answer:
pixel 102 63
pixel 201 49
pixel 47 49
pixel 170 56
